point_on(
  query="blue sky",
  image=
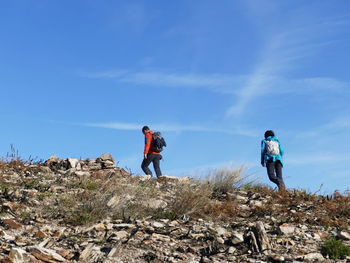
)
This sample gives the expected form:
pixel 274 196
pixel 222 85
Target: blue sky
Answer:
pixel 80 78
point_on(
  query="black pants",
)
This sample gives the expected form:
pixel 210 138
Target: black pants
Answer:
pixel 152 158
pixel 274 171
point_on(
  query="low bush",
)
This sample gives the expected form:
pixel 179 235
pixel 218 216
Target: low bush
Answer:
pixel 335 249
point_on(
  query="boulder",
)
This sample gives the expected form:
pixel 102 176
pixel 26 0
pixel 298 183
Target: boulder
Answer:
pixel 86 252
pixel 286 229
pixel 73 163
pixel 52 159
pixel 46 255
pixel 18 255
pixel 6 236
pixel 314 257
pixel 258 239
pixel 344 235
pixel 120 235
pixel 237 238
pixel 52 162
pixel 106 157
pixel 158 225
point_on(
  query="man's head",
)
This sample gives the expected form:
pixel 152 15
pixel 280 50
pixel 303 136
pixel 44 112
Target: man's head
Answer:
pixel 269 133
pixel 145 129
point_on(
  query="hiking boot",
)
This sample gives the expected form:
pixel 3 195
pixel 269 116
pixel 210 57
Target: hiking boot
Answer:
pixel 281 187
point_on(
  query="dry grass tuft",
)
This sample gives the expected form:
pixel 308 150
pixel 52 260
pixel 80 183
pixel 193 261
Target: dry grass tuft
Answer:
pixel 189 201
pixel 226 179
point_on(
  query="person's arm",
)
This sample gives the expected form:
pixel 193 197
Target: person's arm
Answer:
pixel 262 161
pixel 281 149
pixel 147 143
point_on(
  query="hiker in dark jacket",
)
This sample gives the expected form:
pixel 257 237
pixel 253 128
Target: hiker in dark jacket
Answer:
pixel 271 157
pixel 150 156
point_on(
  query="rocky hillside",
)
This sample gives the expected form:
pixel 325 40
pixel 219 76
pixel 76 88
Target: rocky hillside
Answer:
pixel 92 211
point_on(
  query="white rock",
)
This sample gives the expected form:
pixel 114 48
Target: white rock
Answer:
pixel 82 174
pixel 160 237
pixel 72 162
pixel 221 231
pixel 86 252
pixel 314 256
pixel 316 236
pixel 231 250
pixel 18 255
pixel 124 225
pixel 113 201
pixel 220 240
pixel 240 198
pixel 145 177
pixel 237 238
pixel 245 207
pixel 6 236
pixel 344 235
pixel 157 225
pixel 286 229
pixel 155 203
pixel 46 255
pixel 106 157
pixel 121 235
pixel 256 203
pixel 304 227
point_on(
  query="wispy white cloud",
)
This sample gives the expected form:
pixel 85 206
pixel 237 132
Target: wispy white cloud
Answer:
pixel 283 51
pixel 224 83
pixel 170 127
pixel 256 85
pixel 284 48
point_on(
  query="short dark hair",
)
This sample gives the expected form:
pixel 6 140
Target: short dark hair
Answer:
pixel 145 128
pixel 269 133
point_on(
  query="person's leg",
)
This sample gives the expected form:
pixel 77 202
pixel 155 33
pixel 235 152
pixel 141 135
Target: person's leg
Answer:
pixel 145 164
pixel 270 167
pixel 278 170
pixel 156 164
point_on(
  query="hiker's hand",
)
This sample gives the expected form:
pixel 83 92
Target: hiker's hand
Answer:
pixel 262 164
pixel 145 156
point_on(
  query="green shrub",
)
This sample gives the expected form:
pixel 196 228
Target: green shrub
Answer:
pixel 335 249
pixel 26 216
pixel 90 185
pixel 31 183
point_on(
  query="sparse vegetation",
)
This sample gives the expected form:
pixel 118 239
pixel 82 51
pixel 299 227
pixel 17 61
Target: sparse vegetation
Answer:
pixel 189 200
pixel 138 199
pixel 85 200
pixel 25 216
pixel 209 211
pixel 14 161
pixel 227 179
pixel 335 249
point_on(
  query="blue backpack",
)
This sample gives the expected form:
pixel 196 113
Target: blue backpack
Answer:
pixel 158 142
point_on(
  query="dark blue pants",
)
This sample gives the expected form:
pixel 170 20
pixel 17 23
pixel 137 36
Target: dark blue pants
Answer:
pixel 152 158
pixel 274 171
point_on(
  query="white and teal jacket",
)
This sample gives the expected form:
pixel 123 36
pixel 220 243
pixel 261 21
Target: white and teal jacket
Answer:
pixel 265 157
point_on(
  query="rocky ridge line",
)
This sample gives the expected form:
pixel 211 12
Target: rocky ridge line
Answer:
pixel 28 235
